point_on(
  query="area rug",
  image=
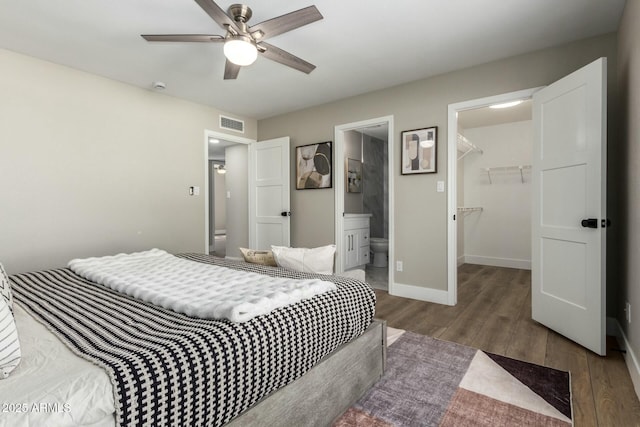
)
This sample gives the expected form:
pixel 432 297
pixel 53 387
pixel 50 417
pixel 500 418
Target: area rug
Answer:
pixel 429 382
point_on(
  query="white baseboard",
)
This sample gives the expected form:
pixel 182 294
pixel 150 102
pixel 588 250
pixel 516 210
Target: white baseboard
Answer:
pixel 460 260
pixel 419 293
pixel 630 357
pixel 523 264
pixel 234 258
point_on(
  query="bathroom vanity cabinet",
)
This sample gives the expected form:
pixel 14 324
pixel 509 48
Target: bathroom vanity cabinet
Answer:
pixel 356 240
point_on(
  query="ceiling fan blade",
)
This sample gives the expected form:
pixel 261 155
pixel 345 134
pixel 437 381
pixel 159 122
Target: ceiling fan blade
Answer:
pixel 197 38
pixel 231 70
pixel 288 22
pixel 217 14
pixel 285 58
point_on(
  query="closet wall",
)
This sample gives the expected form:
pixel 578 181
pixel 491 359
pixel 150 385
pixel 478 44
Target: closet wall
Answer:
pixel 460 200
pixel 499 234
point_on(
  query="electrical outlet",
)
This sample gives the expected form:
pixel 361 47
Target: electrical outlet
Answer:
pixel 398 265
pixel 627 311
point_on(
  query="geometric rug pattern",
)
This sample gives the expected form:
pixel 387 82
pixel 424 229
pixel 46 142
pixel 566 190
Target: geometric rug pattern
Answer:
pixel 430 382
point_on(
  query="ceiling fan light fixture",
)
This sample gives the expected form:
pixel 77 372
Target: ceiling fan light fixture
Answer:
pixel 240 50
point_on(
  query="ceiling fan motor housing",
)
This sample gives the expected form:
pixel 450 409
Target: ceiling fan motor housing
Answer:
pixel 240 12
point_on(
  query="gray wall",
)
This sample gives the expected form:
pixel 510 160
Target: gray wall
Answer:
pixel 212 203
pixel 91 166
pixel 374 178
pixel 353 202
pixel 624 183
pixel 220 200
pixel 237 181
pixel 421 212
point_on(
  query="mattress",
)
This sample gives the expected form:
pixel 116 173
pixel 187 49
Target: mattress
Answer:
pixel 52 387
pixel 170 369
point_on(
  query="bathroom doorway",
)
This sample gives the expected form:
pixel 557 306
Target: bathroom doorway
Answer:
pixel 364 200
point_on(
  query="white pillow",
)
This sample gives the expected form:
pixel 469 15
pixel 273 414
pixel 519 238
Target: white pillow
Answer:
pixel 9 344
pixel 5 288
pixel 315 260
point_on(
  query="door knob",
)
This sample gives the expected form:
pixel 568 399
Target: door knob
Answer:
pixel 590 223
pixel 285 213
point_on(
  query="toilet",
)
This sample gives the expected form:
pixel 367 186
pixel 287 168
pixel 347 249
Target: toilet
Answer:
pixel 379 247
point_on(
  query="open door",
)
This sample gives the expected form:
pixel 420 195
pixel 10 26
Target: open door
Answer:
pixel 569 213
pixel 269 203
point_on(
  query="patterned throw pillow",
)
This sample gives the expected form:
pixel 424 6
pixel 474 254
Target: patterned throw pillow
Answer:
pixel 5 288
pixel 258 257
pixel 9 344
pixel 314 260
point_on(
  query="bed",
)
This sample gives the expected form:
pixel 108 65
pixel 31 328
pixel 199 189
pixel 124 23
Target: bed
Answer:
pixel 94 356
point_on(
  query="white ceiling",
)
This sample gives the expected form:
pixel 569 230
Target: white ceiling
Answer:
pixel 487 116
pixel 358 47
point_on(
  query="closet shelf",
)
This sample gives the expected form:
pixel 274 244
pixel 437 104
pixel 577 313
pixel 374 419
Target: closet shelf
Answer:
pixel 470 209
pixel 466 146
pixel 519 168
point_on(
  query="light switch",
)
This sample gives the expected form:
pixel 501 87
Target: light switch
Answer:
pixel 228 194
pixel 440 187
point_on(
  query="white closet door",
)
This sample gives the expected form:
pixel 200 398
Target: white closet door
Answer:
pixel 569 182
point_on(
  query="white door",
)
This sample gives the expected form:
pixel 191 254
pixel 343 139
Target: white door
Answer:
pixel 269 208
pixel 569 180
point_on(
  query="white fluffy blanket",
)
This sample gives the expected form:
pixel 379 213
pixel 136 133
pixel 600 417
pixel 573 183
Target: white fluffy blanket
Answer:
pixel 196 289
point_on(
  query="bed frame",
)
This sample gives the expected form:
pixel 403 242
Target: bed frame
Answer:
pixel 325 392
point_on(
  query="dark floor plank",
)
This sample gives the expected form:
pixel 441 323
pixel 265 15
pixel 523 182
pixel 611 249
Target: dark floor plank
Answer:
pixel 569 356
pixel 529 340
pixel 608 375
pixel 499 328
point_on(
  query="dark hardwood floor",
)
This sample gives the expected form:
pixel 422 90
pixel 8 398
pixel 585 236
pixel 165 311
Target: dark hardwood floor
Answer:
pixel 494 314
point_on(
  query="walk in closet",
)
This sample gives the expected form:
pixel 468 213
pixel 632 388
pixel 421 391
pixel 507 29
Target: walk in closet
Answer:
pixel 494 187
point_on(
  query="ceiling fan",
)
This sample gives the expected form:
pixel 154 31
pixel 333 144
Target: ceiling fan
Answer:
pixel 242 42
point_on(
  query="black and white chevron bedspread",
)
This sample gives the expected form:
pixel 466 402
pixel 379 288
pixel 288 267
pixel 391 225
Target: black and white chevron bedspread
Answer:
pixel 169 369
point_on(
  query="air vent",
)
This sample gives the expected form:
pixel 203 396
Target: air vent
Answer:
pixel 231 124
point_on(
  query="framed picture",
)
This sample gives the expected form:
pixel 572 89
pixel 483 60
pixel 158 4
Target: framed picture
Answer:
pixel 418 153
pixel 354 176
pixel 314 166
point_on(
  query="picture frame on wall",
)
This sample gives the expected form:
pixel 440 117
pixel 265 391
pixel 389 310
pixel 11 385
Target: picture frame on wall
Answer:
pixel 354 176
pixel 419 151
pixel 314 166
